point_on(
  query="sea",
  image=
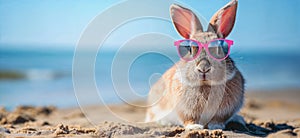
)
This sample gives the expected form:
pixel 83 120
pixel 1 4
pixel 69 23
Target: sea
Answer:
pixel 46 77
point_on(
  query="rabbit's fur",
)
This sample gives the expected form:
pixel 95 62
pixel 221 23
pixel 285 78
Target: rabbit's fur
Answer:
pixel 186 96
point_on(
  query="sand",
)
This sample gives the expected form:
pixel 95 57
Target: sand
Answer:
pixel 268 114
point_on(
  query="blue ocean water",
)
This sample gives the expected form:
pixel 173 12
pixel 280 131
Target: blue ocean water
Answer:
pixel 48 75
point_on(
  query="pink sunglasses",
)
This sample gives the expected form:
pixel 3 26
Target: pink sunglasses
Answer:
pixel 189 49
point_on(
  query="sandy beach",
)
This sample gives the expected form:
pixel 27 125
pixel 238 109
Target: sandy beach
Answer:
pixel 267 113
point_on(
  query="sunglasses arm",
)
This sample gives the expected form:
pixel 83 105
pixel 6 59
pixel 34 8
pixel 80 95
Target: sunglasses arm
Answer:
pixel 230 42
pixel 176 43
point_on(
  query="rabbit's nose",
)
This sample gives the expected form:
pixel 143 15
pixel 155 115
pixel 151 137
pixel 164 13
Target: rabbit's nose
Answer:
pixel 204 66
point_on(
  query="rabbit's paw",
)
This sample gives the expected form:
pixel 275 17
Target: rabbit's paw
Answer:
pixel 193 127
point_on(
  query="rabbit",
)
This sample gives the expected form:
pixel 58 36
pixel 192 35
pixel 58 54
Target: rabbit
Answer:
pixel 186 93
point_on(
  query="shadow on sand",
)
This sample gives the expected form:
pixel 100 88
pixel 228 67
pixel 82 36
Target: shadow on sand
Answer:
pixel 262 130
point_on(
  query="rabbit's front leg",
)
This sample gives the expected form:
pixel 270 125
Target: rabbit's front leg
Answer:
pixel 190 124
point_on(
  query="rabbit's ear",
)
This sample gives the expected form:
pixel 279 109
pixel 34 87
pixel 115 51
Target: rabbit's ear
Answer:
pixel 223 21
pixel 185 21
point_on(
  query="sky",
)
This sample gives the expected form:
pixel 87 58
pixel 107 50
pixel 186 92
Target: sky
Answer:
pixel 260 24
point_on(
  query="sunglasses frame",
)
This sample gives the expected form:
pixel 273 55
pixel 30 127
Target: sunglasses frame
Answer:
pixel 200 46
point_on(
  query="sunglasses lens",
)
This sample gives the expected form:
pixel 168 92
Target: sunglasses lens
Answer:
pixel 188 49
pixel 218 49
